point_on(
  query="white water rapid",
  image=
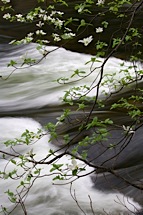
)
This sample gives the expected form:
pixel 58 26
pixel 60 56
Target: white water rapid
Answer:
pixel 34 87
pixel 44 197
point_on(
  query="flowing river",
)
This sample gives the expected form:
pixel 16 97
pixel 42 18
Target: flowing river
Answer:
pixel 36 86
pixel 33 92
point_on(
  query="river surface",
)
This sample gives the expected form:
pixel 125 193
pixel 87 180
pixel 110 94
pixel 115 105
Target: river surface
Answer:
pixel 32 88
pixel 36 86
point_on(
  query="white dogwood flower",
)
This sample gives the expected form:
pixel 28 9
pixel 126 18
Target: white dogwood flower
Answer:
pixel 30 17
pixel 50 19
pixel 100 2
pixel 56 37
pixel 58 23
pixel 74 165
pixel 5 1
pixel 40 32
pixel 99 30
pixel 128 129
pixel 40 24
pixel 30 34
pixel 20 18
pixel 60 13
pixel 12 41
pixel 45 41
pixel 80 10
pixel 86 40
pixel 7 16
pixel 68 35
pixel 19 15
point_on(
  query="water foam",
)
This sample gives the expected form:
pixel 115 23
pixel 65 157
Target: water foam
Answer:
pixel 36 86
pixel 45 197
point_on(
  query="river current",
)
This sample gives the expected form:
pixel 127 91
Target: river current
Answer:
pixel 36 86
pixel 32 88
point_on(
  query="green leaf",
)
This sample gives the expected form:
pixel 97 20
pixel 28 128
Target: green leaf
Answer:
pixel 81 106
pixel 108 121
pixel 56 167
pixel 62 2
pixel 74 172
pixel 58 177
pixel 13 161
pixel 12 63
pixel 105 24
pixel 116 41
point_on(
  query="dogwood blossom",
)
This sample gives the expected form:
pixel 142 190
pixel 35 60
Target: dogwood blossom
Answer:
pixel 40 24
pixel 30 17
pixel 30 34
pixel 128 129
pixel 45 41
pixel 50 19
pixel 99 30
pixel 58 23
pixel 86 40
pixel 74 165
pixel 12 41
pixel 40 32
pixel 42 11
pixel 7 16
pixel 5 1
pixel 29 37
pixel 18 15
pixel 68 35
pixel 56 37
pixel 54 12
pixel 20 18
pixel 100 2
pixel 80 10
pixel 45 17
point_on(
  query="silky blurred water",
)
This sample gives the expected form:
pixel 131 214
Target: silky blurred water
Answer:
pixel 35 86
pixel 46 196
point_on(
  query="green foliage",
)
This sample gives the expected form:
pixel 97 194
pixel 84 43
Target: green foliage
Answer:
pixel 100 45
pixel 78 73
pixel 130 106
pixel 116 41
pixel 5 8
pixel 52 129
pixel 56 167
pixel 29 61
pixel 114 6
pixel 64 116
pixel 11 196
pixel 83 24
pixel 105 24
pixel 12 63
pixel 81 106
pixel 62 2
pixel 58 177
pixel 98 123
pixel 26 138
pixel 84 7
